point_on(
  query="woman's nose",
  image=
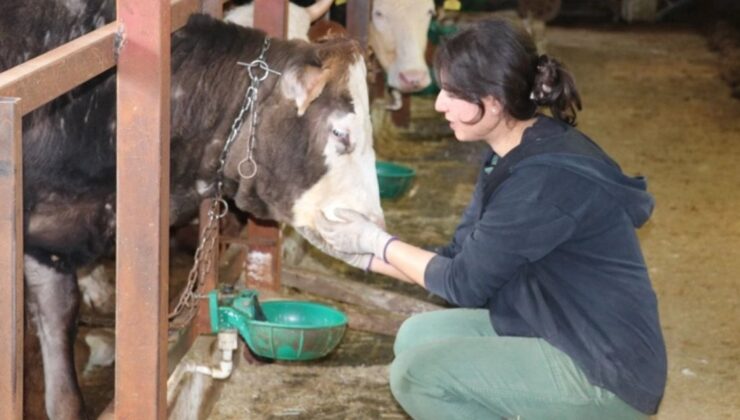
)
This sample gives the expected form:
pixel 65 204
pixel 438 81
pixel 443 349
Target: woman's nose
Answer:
pixel 440 104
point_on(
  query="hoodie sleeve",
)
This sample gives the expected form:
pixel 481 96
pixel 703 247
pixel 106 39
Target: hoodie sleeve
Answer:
pixel 463 229
pixel 517 226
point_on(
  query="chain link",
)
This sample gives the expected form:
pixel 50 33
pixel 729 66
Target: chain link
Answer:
pixel 187 305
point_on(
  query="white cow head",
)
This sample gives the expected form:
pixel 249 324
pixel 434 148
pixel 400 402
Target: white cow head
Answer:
pixel 398 36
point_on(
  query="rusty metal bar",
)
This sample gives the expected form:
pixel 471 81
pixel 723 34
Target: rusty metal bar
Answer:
pixel 358 20
pixel 263 263
pixel 271 16
pixel 11 260
pixel 142 209
pixel 214 8
pixel 202 322
pixel 49 75
pixel 263 237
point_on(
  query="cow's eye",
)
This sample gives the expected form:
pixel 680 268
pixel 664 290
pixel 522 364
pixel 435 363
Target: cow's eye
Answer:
pixel 377 14
pixel 344 144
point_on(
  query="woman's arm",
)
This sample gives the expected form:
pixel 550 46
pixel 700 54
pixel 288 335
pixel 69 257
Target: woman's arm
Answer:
pixel 406 262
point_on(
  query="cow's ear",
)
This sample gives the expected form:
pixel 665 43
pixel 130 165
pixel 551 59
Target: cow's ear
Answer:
pixel 304 85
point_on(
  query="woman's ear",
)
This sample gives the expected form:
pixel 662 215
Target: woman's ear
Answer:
pixel 492 105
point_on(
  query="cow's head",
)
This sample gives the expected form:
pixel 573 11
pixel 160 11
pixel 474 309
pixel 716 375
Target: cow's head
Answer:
pixel 314 146
pixel 398 36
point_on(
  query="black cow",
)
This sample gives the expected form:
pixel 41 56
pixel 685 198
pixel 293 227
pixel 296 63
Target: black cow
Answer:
pixel 314 151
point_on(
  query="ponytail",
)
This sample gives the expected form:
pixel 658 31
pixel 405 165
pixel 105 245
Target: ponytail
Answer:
pixel 555 88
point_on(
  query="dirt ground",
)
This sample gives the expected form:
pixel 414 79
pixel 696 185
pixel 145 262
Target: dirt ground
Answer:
pixel 654 100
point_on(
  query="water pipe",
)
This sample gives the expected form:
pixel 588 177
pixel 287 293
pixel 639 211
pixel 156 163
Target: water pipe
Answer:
pixel 227 343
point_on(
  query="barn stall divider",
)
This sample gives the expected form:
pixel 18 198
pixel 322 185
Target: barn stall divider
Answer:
pixel 143 85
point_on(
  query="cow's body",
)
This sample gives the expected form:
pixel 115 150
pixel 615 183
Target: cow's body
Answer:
pixel 314 151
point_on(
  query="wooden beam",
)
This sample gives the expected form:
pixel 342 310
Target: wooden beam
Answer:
pixel 11 260
pixel 142 209
pixel 355 293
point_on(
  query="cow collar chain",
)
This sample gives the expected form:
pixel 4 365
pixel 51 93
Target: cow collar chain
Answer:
pixel 258 71
pixel 247 168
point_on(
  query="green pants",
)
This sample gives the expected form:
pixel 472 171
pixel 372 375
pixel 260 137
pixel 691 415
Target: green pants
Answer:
pixel 450 364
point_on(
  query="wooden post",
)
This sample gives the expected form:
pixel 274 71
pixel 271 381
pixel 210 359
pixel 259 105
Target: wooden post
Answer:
pixel 11 260
pixel 402 117
pixel 142 209
pixel 271 16
pixel 358 21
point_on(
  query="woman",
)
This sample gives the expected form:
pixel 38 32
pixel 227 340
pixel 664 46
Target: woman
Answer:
pixel 557 317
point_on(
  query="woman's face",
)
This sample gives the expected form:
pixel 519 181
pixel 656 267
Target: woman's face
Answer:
pixel 465 117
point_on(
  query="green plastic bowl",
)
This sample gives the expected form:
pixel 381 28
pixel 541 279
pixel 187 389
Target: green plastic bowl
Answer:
pixel 393 179
pixel 295 330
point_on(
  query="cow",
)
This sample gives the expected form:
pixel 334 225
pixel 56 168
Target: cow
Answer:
pixel 398 38
pixel 397 35
pixel 299 18
pixel 312 145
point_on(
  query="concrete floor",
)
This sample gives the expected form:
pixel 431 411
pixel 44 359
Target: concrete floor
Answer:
pixel 653 99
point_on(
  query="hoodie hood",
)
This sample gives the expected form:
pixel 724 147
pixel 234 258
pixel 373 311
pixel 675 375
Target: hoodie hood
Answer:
pixel 554 143
pixel 630 192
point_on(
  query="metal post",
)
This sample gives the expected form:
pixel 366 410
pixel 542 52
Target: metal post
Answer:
pixel 263 237
pixel 142 209
pixel 11 260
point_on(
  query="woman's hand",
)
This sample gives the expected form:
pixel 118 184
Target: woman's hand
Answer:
pixel 361 261
pixel 354 234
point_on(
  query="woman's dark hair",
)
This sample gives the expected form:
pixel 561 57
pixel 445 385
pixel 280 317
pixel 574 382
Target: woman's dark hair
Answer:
pixel 494 58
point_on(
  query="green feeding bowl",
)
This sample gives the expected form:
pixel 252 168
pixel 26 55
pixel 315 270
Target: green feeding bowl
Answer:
pixel 393 179
pixel 289 330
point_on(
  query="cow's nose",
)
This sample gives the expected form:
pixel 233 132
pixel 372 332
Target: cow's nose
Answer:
pixel 414 79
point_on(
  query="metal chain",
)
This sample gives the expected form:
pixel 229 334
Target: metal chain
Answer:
pixel 186 307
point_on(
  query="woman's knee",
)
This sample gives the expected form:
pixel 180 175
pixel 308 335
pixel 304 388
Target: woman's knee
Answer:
pixel 427 327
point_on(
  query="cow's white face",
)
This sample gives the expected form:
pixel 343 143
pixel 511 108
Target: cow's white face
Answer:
pixel 398 36
pixel 351 181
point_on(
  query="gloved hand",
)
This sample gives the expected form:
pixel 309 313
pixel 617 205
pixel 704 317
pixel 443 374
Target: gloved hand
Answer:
pixel 355 234
pixel 361 261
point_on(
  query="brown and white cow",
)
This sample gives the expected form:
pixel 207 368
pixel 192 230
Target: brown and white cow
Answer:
pixel 313 148
pixel 299 18
pixel 397 35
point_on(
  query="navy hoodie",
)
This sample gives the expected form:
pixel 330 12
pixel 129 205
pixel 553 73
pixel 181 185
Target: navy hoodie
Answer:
pixel 548 245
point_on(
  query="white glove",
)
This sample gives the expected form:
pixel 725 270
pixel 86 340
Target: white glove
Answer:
pixel 355 234
pixel 361 261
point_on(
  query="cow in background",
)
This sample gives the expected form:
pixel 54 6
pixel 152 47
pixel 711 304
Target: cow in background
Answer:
pixel 313 150
pixel 299 18
pixel 398 38
pixel 397 35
